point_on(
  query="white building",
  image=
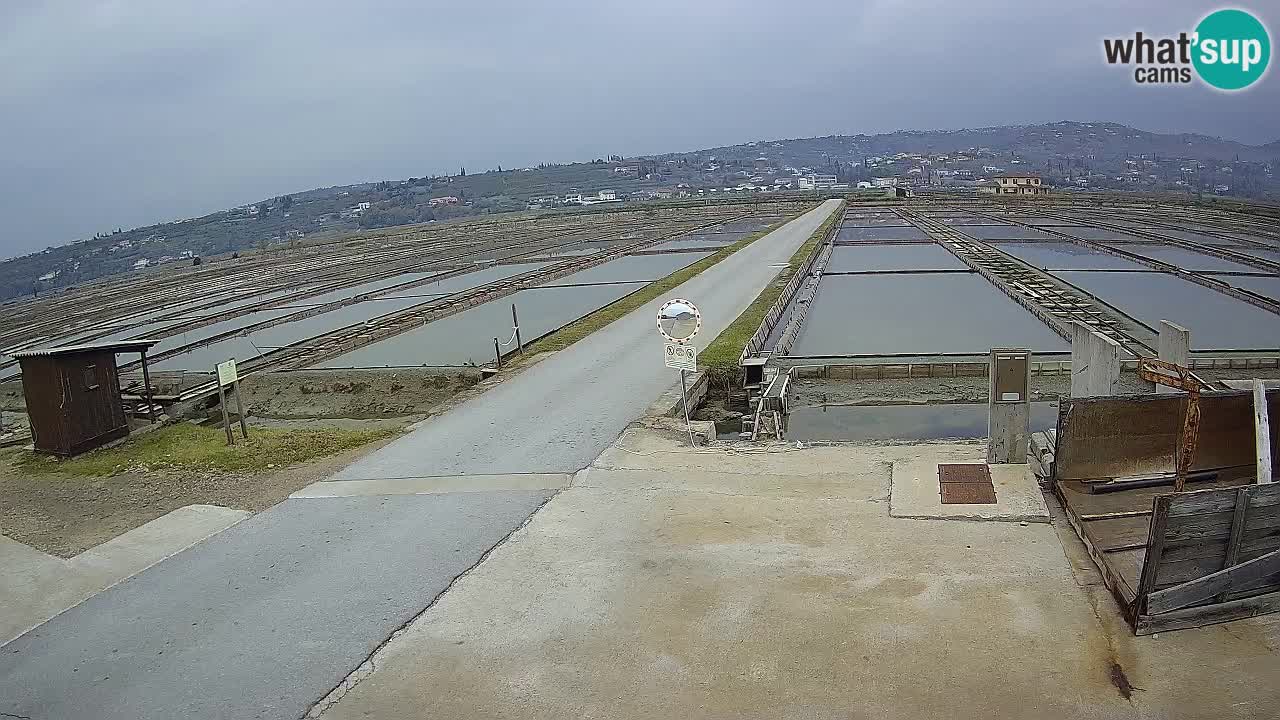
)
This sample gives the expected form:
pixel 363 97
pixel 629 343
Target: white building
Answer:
pixel 884 182
pixel 1020 185
pixel 141 264
pixel 821 182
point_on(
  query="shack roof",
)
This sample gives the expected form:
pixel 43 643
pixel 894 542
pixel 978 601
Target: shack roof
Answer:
pixel 115 346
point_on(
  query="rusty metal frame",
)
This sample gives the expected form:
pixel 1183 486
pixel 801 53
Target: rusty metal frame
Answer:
pixel 1175 376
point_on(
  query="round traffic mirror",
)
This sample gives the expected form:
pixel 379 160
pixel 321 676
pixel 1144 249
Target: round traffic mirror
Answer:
pixel 679 320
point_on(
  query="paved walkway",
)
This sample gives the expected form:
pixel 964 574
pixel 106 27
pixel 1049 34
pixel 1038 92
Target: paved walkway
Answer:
pixel 265 618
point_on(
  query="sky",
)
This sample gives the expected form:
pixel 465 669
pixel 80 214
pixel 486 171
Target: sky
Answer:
pixel 120 113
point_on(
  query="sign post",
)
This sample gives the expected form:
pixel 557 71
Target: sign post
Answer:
pixel 227 375
pixel 679 321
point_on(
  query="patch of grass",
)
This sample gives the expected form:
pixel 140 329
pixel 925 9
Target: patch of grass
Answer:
pixel 204 448
pixel 721 355
pixel 575 331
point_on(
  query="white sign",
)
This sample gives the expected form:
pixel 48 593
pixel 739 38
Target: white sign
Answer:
pixel 679 320
pixel 681 356
pixel 227 372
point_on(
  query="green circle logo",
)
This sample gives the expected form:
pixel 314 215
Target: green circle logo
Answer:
pixel 1232 49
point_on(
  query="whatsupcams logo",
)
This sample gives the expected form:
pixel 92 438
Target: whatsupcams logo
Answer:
pixel 1229 50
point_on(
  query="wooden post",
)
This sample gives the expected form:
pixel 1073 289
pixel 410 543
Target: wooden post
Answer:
pixel 146 388
pixel 515 322
pixel 244 429
pixel 497 352
pixel 1262 431
pixel 1155 549
pixel 226 420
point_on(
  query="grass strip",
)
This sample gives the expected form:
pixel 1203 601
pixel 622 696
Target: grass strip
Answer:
pixel 187 446
pixel 720 357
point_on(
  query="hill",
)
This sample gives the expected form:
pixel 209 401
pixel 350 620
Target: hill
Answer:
pixel 1101 155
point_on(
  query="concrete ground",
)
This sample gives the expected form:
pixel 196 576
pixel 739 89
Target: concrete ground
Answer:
pixel 38 586
pixel 667 581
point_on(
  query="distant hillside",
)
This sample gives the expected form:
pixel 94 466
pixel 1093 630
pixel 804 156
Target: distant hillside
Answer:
pixel 1098 154
pixel 1103 140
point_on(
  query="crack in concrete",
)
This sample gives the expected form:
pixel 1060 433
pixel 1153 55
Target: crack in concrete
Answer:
pixel 1249 639
pixel 725 493
pixel 1020 519
pixel 367 668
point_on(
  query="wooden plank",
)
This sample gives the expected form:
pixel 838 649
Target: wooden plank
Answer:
pixel 1253 544
pixel 1214 549
pixel 1217 525
pixel 1126 565
pixel 1114 515
pixel 1232 578
pixel 1088 502
pixel 1232 553
pixel 1121 590
pixel 1119 533
pixel 1172 573
pixel 1262 431
pixel 1155 546
pixel 1196 502
pixel 1208 614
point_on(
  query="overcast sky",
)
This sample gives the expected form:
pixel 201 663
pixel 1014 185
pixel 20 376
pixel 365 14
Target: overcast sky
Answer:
pixel 129 112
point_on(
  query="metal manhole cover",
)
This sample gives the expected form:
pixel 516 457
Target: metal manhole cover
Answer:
pixel 966 484
pixel 964 473
pixel 966 493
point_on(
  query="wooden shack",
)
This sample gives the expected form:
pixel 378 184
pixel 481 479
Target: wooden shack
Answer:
pixel 73 394
pixel 1172 560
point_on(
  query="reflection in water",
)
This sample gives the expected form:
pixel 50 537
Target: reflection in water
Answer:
pixel 917 313
pixel 1216 321
pixel 855 423
pixel 1067 256
pixel 467 337
pixel 914 256
pixel 248 346
pixel 881 232
pixel 1185 259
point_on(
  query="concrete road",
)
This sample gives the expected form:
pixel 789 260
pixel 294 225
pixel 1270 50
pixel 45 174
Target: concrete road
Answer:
pixel 261 620
pixel 266 618
pixel 560 414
